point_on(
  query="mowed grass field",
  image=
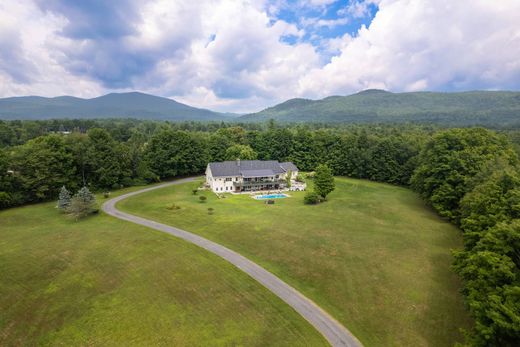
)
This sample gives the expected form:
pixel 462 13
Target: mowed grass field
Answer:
pixel 374 256
pixel 105 282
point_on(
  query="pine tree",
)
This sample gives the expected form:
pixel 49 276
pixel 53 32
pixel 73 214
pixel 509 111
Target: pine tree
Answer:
pixel 64 199
pixel 82 204
pixel 323 181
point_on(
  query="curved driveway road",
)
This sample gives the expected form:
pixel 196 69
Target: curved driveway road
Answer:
pixel 331 329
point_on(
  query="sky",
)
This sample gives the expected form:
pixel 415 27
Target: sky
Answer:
pixel 245 55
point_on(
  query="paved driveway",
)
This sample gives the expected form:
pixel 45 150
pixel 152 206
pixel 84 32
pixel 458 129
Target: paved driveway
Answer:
pixel 331 329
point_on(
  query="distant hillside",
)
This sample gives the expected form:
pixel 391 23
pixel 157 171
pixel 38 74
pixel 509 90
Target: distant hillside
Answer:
pixel 115 105
pixel 467 108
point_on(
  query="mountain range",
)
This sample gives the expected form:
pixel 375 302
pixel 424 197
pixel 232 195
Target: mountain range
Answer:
pixel 114 105
pixel 379 106
pixel 369 106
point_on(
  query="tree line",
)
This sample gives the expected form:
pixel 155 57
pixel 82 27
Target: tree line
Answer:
pixel 103 158
pixel 470 176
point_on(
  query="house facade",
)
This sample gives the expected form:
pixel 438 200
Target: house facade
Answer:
pixel 249 175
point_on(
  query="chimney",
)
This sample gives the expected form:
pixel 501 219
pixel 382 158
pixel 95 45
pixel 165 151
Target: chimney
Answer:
pixel 238 162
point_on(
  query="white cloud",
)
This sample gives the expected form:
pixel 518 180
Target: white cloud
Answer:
pixel 329 23
pixel 358 8
pixel 231 55
pixel 427 45
pixel 32 67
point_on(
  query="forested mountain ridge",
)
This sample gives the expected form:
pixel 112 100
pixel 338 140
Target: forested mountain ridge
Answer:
pixel 373 105
pixel 114 105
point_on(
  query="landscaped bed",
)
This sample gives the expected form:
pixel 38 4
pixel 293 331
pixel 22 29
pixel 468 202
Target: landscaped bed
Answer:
pixel 373 255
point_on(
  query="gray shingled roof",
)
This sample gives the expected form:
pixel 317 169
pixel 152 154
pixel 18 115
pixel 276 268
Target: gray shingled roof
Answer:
pixel 257 173
pixel 237 168
pixel 288 166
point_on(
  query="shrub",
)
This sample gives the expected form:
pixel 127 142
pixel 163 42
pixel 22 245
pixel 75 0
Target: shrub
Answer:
pixel 106 195
pixel 270 202
pixel 173 207
pixel 194 191
pixel 311 198
pixel 202 198
pixel 210 210
pixel 5 200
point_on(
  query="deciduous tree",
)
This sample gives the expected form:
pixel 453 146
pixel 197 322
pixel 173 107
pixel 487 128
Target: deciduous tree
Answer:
pixel 323 181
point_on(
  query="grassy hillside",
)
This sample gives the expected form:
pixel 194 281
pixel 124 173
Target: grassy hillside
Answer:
pixel 374 256
pixel 115 105
pixel 105 282
pixel 468 108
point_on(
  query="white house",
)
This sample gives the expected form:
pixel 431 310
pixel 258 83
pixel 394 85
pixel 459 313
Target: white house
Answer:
pixel 248 175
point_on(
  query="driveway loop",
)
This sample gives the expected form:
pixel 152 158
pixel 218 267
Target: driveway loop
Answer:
pixel 331 329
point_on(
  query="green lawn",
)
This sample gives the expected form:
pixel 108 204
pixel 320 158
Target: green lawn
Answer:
pixel 105 282
pixel 374 256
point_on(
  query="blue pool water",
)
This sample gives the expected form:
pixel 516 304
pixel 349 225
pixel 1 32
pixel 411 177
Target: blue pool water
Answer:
pixel 270 196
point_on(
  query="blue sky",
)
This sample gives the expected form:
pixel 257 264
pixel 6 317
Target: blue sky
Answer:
pixel 244 55
pixel 335 19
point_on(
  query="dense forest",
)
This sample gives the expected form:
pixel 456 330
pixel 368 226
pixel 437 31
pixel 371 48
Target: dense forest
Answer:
pixel 470 176
pixel 370 106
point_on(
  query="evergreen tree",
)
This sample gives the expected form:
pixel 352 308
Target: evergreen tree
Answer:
pixel 82 204
pixel 323 181
pixel 64 199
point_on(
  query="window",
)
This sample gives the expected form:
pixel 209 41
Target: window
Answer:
pixel 228 179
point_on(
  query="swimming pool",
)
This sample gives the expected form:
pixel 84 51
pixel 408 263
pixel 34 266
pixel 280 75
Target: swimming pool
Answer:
pixel 270 196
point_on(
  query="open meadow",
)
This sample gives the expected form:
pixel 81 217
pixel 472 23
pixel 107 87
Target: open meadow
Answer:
pixel 374 255
pixel 105 282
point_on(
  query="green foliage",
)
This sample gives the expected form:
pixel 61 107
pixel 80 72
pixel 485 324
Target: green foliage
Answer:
pixel 202 198
pixel 311 198
pixel 323 181
pixel 64 199
pixel 288 178
pixel 107 161
pixel 492 285
pixel 495 198
pixel 217 146
pixel 43 165
pixel 173 153
pixel 450 160
pixel 300 178
pixel 244 152
pixel 82 204
pixel 471 176
pixel 5 200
